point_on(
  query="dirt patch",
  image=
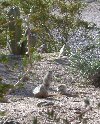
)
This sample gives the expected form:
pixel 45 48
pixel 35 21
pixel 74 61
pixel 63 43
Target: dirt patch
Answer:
pixel 23 107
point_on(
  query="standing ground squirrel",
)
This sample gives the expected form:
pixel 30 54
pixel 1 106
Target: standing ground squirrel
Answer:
pixel 47 79
pixel 41 91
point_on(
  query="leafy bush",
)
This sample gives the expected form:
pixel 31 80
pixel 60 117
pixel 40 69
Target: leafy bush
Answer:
pixel 88 67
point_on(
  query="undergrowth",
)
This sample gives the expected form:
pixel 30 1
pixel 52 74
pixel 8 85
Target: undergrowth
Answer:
pixel 88 67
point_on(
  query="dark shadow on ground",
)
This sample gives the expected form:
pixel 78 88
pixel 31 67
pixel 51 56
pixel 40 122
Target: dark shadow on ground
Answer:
pixel 62 61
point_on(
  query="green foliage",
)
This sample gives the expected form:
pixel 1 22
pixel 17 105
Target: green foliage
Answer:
pixel 87 66
pixel 36 56
pixel 35 120
pixel 52 115
pixel 4 88
pixel 39 15
pixel 15 31
pixel 25 61
pixel 3 29
pixel 5 3
pixel 69 16
pixel 3 39
pixel 20 86
pixel 3 58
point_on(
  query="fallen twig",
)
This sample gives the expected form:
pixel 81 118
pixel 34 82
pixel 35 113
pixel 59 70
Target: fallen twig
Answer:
pixel 82 113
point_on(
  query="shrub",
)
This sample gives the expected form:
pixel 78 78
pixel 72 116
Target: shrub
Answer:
pixel 88 67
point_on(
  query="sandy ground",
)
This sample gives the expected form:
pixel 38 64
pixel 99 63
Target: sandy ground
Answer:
pixel 23 107
pixel 92 13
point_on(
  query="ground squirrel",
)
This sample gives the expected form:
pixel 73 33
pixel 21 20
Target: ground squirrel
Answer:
pixel 62 89
pixel 47 79
pixel 40 92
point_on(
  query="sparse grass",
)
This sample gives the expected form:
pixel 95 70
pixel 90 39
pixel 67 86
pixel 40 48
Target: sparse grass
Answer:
pixel 25 61
pixel 98 105
pixel 20 86
pixel 1 78
pixel 2 113
pixel 4 88
pixel 52 115
pixel 35 120
pixel 36 56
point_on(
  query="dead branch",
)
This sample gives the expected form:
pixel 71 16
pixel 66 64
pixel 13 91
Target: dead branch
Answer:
pixel 29 47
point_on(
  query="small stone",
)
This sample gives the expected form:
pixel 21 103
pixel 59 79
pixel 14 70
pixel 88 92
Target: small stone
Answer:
pixel 86 102
pixel 25 78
